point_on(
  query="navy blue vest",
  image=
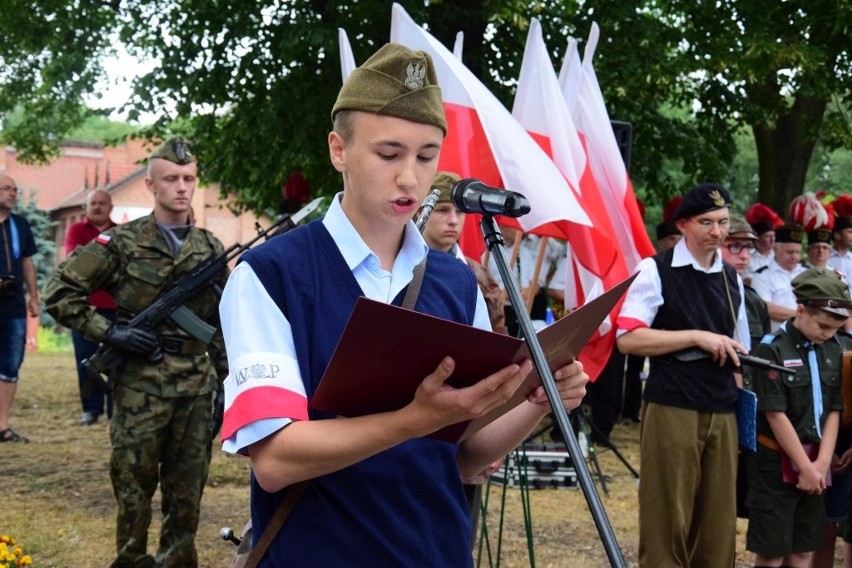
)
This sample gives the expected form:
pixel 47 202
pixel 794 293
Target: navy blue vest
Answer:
pixel 402 506
pixel 693 299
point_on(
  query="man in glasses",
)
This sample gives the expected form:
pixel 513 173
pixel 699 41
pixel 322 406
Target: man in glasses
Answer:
pixel 739 248
pixel 740 245
pixel 685 299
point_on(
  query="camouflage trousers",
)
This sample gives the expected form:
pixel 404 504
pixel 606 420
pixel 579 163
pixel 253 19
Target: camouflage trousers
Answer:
pixel 161 440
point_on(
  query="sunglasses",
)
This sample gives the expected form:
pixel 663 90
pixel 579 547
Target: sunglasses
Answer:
pixel 737 248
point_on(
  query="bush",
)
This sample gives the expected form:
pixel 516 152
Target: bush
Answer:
pixel 52 341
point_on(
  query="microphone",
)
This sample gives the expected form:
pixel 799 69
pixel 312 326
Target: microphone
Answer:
pixel 472 196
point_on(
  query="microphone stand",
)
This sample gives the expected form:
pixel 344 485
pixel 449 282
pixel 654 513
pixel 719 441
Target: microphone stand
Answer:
pixel 493 240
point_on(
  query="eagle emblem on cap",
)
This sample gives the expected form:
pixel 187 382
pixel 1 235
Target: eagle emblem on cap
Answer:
pixel 414 75
pixel 717 198
pixel 182 151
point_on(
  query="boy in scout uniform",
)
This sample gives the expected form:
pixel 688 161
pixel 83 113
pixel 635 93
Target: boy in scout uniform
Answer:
pixel 798 420
pixel 162 410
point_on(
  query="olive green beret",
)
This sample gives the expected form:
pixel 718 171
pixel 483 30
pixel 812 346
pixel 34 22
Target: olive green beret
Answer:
pixel 396 81
pixel 444 181
pixel 739 228
pixel 823 288
pixel 174 150
pixel 701 199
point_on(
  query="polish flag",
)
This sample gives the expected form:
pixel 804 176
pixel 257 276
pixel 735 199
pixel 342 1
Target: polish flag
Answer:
pixel 596 260
pixel 484 141
pixel 593 124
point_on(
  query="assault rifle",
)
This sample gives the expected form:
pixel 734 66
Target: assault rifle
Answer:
pixel 170 304
pixel 697 353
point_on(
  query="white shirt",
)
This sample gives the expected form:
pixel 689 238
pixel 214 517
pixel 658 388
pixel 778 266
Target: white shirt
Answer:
pixel 644 297
pixel 842 263
pixel 756 261
pixel 257 333
pixel 773 285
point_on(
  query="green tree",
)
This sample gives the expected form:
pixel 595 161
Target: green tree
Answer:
pixel 42 227
pixel 252 83
pixel 781 68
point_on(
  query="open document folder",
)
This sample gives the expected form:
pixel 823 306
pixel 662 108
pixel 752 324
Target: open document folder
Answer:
pixel 386 352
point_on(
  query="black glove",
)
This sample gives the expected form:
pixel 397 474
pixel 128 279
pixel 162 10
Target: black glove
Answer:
pixel 131 340
pixel 218 413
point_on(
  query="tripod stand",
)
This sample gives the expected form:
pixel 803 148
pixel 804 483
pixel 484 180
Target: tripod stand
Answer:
pixel 494 241
pixel 595 436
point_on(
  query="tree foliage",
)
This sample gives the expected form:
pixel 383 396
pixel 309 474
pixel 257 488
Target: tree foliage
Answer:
pixel 42 228
pixel 252 83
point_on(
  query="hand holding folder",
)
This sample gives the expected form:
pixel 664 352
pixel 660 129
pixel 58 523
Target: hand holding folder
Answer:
pixel 385 352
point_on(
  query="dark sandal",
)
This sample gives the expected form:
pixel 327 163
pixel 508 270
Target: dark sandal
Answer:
pixel 9 435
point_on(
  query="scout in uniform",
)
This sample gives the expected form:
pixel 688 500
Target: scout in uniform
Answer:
pixel 798 419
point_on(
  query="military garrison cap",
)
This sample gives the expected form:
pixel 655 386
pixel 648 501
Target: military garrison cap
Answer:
pixel 789 234
pixel 174 150
pixel 444 181
pixel 396 81
pixel 739 228
pixel 823 288
pixel 701 199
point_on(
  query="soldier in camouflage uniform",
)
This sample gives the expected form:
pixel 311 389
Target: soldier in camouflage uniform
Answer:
pixel 159 430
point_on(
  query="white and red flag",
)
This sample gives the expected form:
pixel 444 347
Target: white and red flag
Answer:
pixel 485 141
pixel 593 124
pixel 596 261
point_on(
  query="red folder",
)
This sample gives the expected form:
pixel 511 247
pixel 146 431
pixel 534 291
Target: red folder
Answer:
pixel 789 470
pixel 386 351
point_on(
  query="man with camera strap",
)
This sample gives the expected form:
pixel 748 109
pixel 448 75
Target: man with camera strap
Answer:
pixel 17 271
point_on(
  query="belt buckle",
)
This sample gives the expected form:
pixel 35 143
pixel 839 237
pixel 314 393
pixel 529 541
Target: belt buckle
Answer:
pixel 171 345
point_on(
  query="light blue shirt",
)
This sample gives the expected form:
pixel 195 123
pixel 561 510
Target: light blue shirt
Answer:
pixel 253 324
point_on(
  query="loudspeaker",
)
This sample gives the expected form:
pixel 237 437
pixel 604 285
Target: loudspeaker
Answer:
pixel 623 135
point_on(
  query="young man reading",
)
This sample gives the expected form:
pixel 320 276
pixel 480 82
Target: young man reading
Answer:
pixel 381 492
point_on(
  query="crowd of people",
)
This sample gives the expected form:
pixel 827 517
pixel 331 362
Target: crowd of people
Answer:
pixel 378 488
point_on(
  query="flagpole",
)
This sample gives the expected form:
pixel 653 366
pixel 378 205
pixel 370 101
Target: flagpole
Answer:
pixel 539 260
pixel 494 242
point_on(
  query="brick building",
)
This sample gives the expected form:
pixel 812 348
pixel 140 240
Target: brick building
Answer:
pixel 61 186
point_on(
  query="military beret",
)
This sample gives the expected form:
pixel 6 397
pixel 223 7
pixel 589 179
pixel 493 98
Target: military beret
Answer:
pixel 666 230
pixel 821 235
pixel 823 288
pixel 174 150
pixel 789 234
pixel 396 81
pixel 701 199
pixel 739 228
pixel 444 181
